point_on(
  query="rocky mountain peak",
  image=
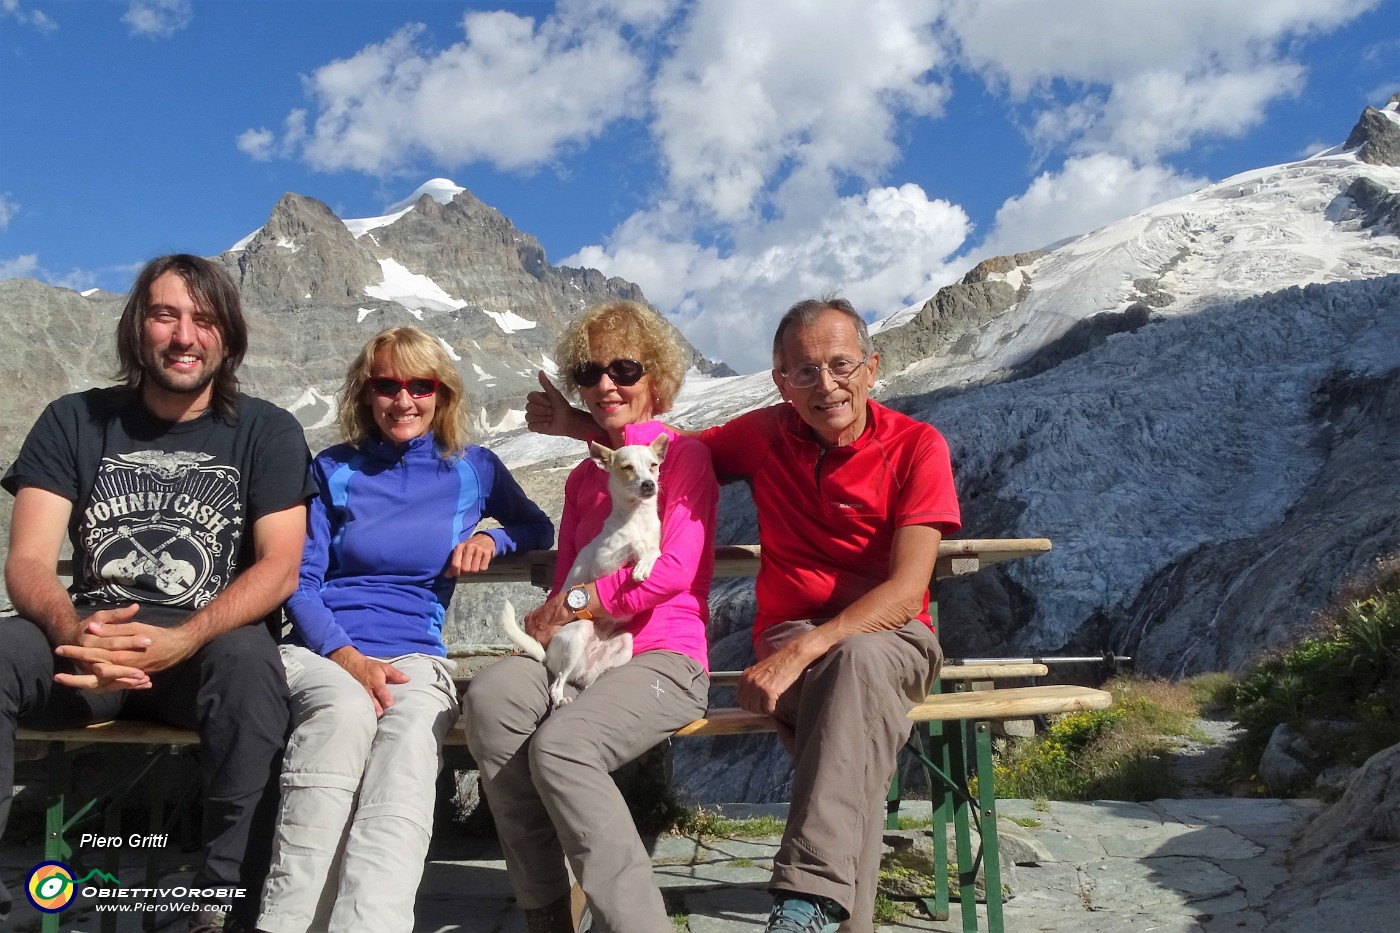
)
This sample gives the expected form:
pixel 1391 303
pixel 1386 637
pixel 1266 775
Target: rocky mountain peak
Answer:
pixel 303 253
pixel 1376 136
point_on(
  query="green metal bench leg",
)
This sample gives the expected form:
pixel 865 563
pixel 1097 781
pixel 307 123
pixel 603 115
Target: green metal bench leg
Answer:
pixel 892 801
pixel 56 848
pixel 942 803
pixel 156 800
pixel 962 830
pixel 112 826
pixel 991 847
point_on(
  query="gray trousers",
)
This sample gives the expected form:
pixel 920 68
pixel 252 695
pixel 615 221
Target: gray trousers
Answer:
pixel 357 797
pixel 546 777
pixel 848 714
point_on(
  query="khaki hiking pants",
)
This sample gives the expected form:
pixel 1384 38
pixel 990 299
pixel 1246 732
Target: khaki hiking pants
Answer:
pixel 546 777
pixel 848 714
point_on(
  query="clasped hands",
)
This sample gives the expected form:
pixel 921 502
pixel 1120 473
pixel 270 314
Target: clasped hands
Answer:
pixel 112 651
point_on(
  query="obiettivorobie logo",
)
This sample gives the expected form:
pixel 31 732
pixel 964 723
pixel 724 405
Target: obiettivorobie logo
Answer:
pixel 51 886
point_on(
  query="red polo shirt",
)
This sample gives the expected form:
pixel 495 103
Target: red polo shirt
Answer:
pixel 827 515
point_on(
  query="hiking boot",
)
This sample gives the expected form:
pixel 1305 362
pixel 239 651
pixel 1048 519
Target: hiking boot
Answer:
pixel 206 921
pixel 802 913
pixel 556 918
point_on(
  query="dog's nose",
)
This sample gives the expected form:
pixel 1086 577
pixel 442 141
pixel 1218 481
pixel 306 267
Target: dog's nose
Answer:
pixel 648 487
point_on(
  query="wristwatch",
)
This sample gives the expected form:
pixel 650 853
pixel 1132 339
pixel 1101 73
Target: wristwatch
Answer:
pixel 577 600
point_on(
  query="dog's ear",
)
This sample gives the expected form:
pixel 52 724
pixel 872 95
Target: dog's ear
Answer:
pixel 660 445
pixel 599 454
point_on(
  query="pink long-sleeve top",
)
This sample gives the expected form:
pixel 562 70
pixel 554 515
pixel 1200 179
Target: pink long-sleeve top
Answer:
pixel 670 609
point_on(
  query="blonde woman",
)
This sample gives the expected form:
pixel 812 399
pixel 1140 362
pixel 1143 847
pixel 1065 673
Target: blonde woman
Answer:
pixel 372 695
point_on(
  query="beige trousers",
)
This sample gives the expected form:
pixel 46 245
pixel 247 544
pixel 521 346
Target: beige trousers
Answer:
pixel 546 777
pixel 848 714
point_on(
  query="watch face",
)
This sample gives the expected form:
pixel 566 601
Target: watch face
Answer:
pixel 577 598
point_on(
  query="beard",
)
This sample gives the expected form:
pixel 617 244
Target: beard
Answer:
pixel 180 383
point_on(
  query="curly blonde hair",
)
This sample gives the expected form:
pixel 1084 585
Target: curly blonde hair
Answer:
pixel 412 353
pixel 648 337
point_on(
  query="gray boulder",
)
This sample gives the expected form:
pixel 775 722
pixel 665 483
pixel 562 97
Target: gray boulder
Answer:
pixel 1345 856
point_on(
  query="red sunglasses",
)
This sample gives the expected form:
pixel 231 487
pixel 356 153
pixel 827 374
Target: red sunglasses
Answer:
pixel 390 388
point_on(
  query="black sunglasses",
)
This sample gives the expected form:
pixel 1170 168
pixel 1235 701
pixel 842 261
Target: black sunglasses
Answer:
pixel 621 372
pixel 389 388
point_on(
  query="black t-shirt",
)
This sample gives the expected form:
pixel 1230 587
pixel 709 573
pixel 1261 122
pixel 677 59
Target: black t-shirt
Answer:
pixel 162 512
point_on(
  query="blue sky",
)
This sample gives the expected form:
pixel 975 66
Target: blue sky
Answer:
pixel 729 156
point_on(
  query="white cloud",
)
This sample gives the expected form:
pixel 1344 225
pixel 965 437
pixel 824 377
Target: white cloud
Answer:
pixel 27 267
pixel 20 267
pixel 158 19
pixel 879 249
pixel 1144 78
pixel 764 115
pixel 757 95
pixel 1085 194
pixel 8 209
pixel 30 17
pixel 257 144
pixel 513 93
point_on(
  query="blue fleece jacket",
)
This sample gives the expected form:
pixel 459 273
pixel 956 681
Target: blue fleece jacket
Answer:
pixel 379 535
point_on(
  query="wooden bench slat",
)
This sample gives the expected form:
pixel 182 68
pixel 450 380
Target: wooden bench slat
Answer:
pixel 956 558
pixel 116 732
pixel 966 670
pixel 1009 703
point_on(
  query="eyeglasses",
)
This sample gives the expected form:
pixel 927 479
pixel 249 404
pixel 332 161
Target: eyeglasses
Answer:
pixel 804 377
pixel 390 388
pixel 621 372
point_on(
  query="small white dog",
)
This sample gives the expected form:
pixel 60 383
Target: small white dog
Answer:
pixel 582 650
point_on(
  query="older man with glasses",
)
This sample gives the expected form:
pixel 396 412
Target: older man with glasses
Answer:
pixel 853 499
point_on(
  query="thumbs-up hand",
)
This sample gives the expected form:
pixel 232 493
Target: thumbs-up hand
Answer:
pixel 549 412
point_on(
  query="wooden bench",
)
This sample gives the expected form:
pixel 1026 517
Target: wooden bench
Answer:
pixel 945 756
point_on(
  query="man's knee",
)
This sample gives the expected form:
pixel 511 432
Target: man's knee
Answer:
pixel 26 663
pixel 243 663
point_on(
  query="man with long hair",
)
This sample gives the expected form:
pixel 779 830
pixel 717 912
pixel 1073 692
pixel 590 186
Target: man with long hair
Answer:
pixel 185 504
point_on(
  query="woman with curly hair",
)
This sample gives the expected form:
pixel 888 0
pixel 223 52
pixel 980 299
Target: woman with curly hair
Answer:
pixel 545 772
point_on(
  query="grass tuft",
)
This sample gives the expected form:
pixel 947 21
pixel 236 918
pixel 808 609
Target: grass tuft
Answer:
pixel 701 822
pixel 1117 753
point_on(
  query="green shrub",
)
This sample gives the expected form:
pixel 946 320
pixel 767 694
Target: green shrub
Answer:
pixel 1346 667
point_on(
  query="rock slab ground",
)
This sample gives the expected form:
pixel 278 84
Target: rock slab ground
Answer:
pixel 1198 865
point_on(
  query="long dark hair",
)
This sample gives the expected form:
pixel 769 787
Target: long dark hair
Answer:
pixel 213 291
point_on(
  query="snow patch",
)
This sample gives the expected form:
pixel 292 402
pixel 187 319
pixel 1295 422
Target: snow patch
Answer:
pixel 441 190
pixel 314 399
pixel 415 292
pixel 509 321
pixel 452 354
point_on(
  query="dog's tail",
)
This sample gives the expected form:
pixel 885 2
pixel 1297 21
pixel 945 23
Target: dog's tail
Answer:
pixel 517 634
